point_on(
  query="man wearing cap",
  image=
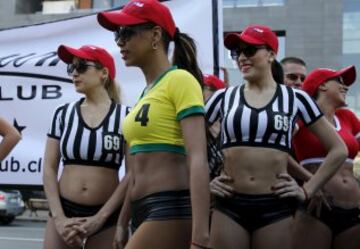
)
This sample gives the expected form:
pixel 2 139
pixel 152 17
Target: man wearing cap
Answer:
pixel 336 225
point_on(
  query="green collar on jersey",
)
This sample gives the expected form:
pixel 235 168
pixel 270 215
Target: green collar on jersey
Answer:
pixel 145 91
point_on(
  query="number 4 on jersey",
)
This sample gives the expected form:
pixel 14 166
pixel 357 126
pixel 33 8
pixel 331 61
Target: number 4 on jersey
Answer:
pixel 142 115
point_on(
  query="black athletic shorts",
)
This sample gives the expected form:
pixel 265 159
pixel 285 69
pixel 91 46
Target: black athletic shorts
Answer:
pixel 167 205
pixel 255 211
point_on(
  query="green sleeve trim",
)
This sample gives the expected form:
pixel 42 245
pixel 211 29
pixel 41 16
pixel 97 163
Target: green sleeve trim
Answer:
pixel 190 111
pixel 157 147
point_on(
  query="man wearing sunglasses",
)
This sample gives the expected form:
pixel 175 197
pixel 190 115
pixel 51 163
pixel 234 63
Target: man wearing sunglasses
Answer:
pixel 294 71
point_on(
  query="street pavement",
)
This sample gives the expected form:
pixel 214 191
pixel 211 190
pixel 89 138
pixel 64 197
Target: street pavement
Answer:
pixel 25 232
pixel 22 234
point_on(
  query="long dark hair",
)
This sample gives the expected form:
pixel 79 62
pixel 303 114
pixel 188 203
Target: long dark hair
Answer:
pixel 184 53
pixel 277 72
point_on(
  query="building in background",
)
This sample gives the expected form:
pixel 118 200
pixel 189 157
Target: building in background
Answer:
pixel 325 33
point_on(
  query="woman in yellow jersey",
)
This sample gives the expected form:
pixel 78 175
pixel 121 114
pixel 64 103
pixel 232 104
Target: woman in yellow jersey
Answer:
pixel 165 130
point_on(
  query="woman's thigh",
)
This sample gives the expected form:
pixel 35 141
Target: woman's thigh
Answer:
pixel 311 233
pixel 227 234
pixel 349 239
pixel 169 234
pixel 52 239
pixel 101 240
pixel 273 236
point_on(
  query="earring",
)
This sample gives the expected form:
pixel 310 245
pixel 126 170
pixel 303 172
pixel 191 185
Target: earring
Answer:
pixel 154 45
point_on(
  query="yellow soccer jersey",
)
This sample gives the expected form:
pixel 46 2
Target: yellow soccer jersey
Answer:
pixel 153 124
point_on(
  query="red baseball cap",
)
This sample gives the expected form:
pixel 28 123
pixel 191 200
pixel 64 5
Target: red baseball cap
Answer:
pixel 138 12
pixel 88 52
pixel 213 81
pixel 321 75
pixel 254 35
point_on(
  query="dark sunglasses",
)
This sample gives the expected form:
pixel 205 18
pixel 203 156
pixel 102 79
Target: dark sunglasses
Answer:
pixel 125 33
pixel 248 51
pixel 80 67
pixel 294 77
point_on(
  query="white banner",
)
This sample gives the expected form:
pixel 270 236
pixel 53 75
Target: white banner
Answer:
pixel 33 81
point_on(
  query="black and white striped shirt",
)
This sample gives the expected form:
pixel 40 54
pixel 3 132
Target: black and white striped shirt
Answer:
pixel 101 146
pixel 270 126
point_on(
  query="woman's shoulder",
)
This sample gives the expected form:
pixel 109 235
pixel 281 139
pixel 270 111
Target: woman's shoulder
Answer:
pixel 66 105
pixel 178 73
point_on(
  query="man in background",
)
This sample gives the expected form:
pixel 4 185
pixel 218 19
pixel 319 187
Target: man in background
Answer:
pixel 294 71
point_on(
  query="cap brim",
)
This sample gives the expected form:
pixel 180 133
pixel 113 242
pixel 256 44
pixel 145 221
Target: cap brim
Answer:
pixel 111 20
pixel 348 74
pixel 66 54
pixel 232 40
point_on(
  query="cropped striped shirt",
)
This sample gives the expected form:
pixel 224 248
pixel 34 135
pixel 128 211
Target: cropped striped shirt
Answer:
pixel 101 146
pixel 270 126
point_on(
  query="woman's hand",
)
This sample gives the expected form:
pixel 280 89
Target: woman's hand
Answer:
pixel 120 238
pixel 288 188
pixel 317 201
pixel 219 186
pixel 70 230
pixel 92 224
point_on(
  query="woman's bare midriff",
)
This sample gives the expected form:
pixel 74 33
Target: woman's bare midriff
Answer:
pixel 158 171
pixel 88 185
pixel 343 188
pixel 254 170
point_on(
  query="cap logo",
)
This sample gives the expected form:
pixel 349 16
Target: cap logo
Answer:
pixel 137 4
pixel 259 30
pixel 93 48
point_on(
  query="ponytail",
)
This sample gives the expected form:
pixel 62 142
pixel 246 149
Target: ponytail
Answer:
pixel 184 53
pixel 113 90
pixel 277 72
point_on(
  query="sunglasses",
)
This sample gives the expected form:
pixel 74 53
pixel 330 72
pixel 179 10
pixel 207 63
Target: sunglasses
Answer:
pixel 125 33
pixel 248 51
pixel 294 77
pixel 80 67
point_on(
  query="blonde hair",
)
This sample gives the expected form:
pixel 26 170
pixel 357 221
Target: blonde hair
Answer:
pixel 113 90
